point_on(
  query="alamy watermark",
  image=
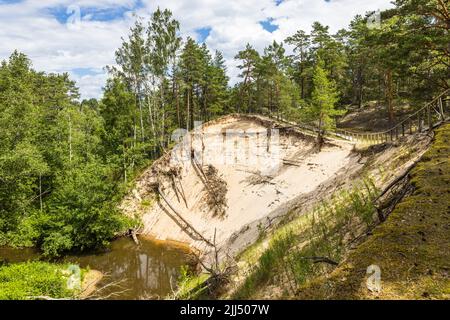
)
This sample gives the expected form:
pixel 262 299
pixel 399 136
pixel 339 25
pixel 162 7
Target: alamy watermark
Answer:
pixel 373 281
pixel 257 148
pixel 74 277
pixel 73 21
pixel 374 20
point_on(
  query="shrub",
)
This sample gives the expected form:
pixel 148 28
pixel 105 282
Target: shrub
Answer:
pixel 24 281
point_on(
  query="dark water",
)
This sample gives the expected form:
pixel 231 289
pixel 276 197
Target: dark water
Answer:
pixel 147 271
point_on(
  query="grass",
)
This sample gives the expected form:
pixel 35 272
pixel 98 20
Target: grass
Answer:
pixel 147 203
pixel 290 259
pixel 411 247
pixel 191 286
pixel 22 281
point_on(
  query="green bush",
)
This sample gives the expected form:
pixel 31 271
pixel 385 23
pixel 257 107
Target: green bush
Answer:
pixel 27 280
pixel 81 214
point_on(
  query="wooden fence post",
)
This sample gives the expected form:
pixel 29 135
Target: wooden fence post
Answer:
pixel 420 122
pixel 430 126
pixel 441 109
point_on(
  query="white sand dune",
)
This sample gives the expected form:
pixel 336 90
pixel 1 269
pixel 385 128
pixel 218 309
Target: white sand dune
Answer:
pixel 263 174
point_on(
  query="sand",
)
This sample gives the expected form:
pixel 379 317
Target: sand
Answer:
pixel 263 174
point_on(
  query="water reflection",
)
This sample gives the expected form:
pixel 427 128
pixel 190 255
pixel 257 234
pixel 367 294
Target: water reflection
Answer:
pixel 147 271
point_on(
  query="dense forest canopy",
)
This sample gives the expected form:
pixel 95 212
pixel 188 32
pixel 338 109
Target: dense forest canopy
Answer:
pixel 64 164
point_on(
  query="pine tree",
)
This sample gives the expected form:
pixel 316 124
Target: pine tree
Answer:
pixel 218 86
pixel 322 109
pixel 249 61
pixel 301 42
pixel 191 68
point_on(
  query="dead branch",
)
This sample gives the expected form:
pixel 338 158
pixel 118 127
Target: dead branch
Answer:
pixel 112 294
pixel 258 178
pixel 396 181
pixel 45 298
pixel 321 259
pixel 401 180
pixel 134 236
pixel 98 292
pixel 216 187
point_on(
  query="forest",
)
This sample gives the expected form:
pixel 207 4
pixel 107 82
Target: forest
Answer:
pixel 65 164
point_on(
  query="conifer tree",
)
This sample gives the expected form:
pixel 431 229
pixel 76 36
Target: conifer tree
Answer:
pixel 322 109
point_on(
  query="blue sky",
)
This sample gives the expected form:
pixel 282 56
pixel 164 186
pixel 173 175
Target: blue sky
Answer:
pixel 268 25
pixel 80 36
pixel 94 14
pixel 203 33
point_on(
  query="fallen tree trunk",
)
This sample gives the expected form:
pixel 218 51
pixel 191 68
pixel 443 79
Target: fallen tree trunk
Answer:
pixel 187 224
pixel 134 236
pixel 321 259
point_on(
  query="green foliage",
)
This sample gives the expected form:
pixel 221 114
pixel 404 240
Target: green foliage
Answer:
pixel 81 214
pixel 190 285
pixel 24 281
pixel 324 97
pixel 57 191
pixel 266 87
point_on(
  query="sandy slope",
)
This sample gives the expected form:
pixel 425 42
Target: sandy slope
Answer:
pixel 263 174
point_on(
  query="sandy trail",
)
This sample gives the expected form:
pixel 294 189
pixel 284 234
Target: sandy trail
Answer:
pixel 263 169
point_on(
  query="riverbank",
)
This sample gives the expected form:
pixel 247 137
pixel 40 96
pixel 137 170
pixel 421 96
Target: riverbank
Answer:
pixel 124 271
pixel 38 280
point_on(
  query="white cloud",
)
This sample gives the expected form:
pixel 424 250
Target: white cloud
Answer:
pixel 29 27
pixel 91 84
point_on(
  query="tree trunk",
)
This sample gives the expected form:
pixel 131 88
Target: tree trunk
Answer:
pixel 70 139
pixel 360 88
pixel 163 115
pixel 389 96
pixel 192 109
pixel 151 116
pixel 138 100
pixel 320 134
pixel 40 190
pixel 302 78
pixel 124 165
pixel 188 112
pixel 177 100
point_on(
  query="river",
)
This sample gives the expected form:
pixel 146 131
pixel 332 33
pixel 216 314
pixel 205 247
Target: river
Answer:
pixel 147 271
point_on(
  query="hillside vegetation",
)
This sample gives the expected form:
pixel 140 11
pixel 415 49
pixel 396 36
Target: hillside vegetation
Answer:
pixel 325 253
pixel 411 247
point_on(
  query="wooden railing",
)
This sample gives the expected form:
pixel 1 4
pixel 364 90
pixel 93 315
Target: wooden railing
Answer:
pixel 426 118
